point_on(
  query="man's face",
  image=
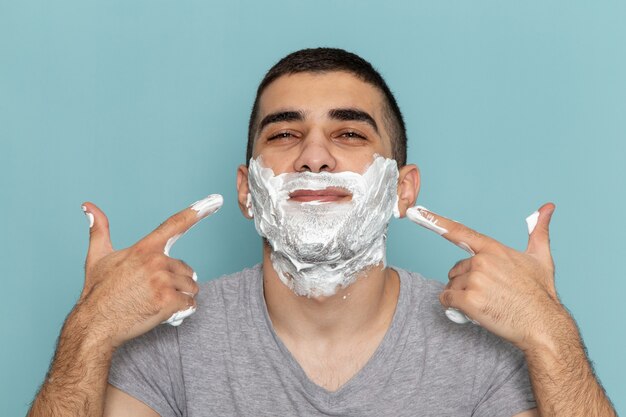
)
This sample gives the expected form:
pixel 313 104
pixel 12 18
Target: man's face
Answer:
pixel 320 122
pixel 316 138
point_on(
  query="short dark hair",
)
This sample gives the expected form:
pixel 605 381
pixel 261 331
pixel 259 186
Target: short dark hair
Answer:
pixel 321 60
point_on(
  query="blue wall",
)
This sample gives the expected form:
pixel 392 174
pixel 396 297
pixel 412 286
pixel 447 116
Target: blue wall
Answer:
pixel 141 107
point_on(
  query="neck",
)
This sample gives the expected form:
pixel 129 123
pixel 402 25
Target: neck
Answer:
pixel 364 308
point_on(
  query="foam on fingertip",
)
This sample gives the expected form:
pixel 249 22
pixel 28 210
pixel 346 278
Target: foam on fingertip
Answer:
pixel 456 316
pixel 423 217
pixel 531 221
pixel 208 205
pixel 89 216
pixel 178 317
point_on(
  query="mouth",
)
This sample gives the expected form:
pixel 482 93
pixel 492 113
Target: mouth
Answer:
pixel 328 195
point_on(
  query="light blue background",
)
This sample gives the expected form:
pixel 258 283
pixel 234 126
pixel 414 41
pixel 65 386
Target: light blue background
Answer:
pixel 141 107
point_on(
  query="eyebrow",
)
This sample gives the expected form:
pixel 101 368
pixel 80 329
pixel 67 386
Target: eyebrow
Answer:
pixel 347 114
pixel 281 116
pixel 353 115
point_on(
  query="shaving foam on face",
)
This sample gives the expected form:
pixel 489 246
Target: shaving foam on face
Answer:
pixel 318 246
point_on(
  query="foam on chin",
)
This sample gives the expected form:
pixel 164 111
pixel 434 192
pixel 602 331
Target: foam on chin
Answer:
pixel 318 247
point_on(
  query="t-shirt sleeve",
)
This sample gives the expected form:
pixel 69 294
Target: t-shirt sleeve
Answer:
pixel 149 369
pixel 503 386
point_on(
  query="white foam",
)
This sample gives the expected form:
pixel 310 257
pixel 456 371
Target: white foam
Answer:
pixel 170 242
pixel 89 216
pixel 531 221
pixel 318 247
pixel 423 217
pixel 208 205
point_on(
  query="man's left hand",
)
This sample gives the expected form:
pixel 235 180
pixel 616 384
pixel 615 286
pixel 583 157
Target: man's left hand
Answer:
pixel 510 293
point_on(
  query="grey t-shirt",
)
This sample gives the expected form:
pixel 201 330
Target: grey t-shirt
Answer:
pixel 226 360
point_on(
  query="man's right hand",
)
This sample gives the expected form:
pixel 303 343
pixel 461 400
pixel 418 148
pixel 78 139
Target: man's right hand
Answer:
pixel 130 291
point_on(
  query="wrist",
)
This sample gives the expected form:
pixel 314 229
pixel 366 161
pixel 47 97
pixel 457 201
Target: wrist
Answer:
pixel 553 337
pixel 87 332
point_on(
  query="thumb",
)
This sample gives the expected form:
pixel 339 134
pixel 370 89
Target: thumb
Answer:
pixel 539 234
pixel 99 235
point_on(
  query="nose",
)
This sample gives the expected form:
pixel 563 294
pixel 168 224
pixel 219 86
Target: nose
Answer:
pixel 315 155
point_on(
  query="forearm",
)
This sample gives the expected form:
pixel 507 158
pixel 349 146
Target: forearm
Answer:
pixel 76 382
pixel 562 377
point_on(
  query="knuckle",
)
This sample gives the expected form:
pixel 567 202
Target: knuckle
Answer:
pixel 159 281
pixel 167 297
pixel 185 266
pixel 190 301
pixel 195 288
pixel 156 260
pixel 139 249
pixel 476 281
pixel 456 268
pixel 473 300
pixel 470 234
pixel 176 222
pixel 451 273
pixel 478 261
pixel 446 298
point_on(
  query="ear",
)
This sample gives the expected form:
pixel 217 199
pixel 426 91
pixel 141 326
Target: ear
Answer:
pixel 243 190
pixel 408 187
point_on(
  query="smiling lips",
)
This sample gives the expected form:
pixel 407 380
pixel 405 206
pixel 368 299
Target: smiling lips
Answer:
pixel 328 195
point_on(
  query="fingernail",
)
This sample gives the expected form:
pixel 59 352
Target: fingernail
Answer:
pixel 89 216
pixel 423 217
pixel 208 205
pixel 531 221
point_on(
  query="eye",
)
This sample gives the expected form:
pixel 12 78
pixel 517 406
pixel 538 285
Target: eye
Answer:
pixel 352 135
pixel 280 135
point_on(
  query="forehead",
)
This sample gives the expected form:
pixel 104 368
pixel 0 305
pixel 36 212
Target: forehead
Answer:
pixel 320 91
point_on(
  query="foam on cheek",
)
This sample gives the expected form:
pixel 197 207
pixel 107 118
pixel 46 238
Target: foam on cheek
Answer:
pixel 249 205
pixel 319 246
pixel 396 209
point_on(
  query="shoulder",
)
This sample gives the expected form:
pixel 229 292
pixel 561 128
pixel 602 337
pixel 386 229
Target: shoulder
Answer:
pixel 229 288
pixel 462 355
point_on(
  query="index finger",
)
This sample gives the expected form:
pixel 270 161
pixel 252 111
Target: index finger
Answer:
pixel 457 233
pixel 171 229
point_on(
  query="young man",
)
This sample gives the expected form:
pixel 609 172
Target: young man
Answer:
pixel 322 326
